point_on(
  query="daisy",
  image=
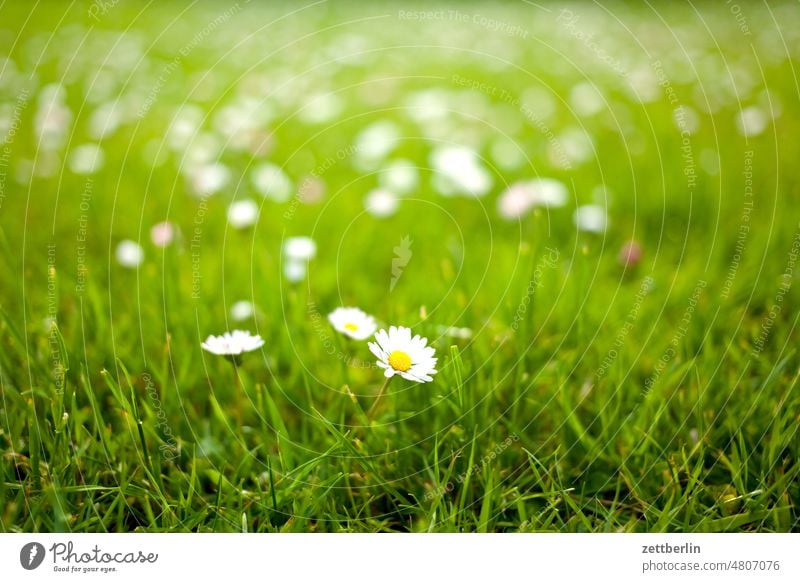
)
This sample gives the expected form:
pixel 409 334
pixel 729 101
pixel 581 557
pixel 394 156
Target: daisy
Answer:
pixel 400 176
pixel 129 254
pixel 381 203
pixel 232 344
pixel 590 218
pixel 242 213
pixel 86 159
pixel 272 182
pixel 516 201
pixel 352 322
pixel 311 190
pixel 548 192
pixel 242 310
pixel 163 233
pixel 520 197
pixel 751 121
pixel 399 353
pixel 375 142
pixel 294 270
pixel 299 248
pixel 209 179
pixel 458 170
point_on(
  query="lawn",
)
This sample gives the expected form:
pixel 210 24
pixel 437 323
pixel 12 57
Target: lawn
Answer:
pixel 590 213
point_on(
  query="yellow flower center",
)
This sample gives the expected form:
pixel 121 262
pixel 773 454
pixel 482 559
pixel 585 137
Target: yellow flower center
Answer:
pixel 351 326
pixel 400 361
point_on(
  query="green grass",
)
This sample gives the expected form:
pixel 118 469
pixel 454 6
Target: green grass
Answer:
pixel 594 403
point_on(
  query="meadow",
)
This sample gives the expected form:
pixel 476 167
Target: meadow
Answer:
pixel 587 211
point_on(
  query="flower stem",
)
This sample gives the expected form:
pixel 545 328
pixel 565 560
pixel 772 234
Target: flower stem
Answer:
pixel 237 386
pixel 379 396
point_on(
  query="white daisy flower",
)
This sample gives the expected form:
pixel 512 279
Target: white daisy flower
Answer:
pixel 86 159
pixel 590 218
pixel 232 343
pixel 299 248
pixel 399 353
pixel 400 176
pixel 272 182
pixel 209 179
pixel 520 197
pixel 751 121
pixel 381 203
pixel 573 145
pixel 129 254
pixel 105 120
pixel 516 201
pixel 163 234
pixel 242 310
pixel 242 213
pixel 586 99
pixel 311 190
pixel 353 322
pixel 458 170
pixel 375 142
pixel 548 192
pixel 297 252
pixel 294 270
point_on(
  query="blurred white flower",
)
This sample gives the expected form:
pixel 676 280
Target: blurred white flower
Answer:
pixel 521 197
pixel 232 344
pixel 242 213
pixel 163 233
pixel 375 142
pixel 203 150
pixel 242 119
pixel 573 145
pixel 209 179
pixel 400 176
pixel 53 117
pixel 352 322
pixel 242 310
pixel 428 105
pixel 459 171
pixel 643 84
pixel 751 121
pixel 381 203
pixel 294 270
pixel 86 159
pixel 548 192
pixel 399 353
pixel 311 190
pixel 456 332
pixel 272 182
pixel 129 254
pixel 590 218
pixel 105 120
pixel 516 201
pixel 586 99
pixel 299 248
pixel 185 124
